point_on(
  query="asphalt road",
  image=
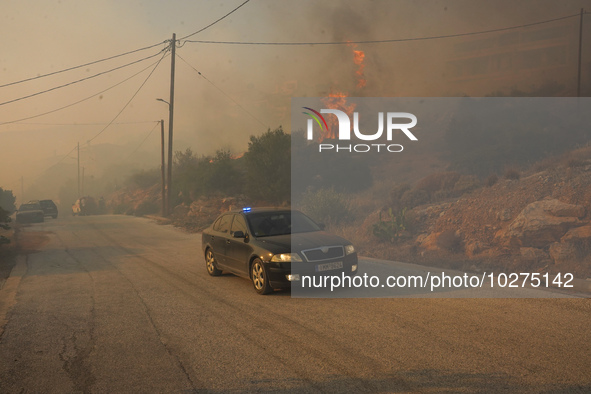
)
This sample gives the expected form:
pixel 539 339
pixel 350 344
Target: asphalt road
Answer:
pixel 121 304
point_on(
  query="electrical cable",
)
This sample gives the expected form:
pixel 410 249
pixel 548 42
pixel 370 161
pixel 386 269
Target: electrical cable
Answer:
pixel 65 157
pixel 81 124
pixel 130 100
pixel 82 65
pixel 80 80
pixel 80 101
pixel 119 113
pixel 216 21
pixel 383 41
pixel 221 91
pixel 144 140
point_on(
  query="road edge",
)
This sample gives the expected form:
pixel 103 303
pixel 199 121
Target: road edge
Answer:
pixel 10 288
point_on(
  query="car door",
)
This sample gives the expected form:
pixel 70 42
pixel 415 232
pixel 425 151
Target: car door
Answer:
pixel 219 235
pixel 238 250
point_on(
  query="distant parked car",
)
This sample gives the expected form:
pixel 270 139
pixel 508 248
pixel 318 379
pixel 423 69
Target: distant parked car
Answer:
pixel 49 208
pixel 30 212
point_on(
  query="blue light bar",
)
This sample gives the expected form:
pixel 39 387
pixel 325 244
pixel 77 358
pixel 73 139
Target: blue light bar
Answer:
pixel 246 209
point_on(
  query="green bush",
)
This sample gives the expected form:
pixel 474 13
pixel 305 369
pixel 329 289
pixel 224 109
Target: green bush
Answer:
pixel 326 206
pixel 4 220
pixel 392 227
pixel 268 165
pixel 7 200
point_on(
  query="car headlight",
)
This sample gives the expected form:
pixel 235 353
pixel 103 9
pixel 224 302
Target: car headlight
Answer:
pixel 286 258
pixel 349 249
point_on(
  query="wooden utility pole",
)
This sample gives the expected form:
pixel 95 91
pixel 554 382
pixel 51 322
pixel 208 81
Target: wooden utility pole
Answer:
pixel 162 169
pixel 22 189
pixel 78 169
pixel 170 121
pixel 580 54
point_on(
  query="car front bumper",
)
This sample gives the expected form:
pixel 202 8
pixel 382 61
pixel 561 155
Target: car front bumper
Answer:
pixel 281 275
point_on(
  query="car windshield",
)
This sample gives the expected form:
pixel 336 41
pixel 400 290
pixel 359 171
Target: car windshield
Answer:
pixel 265 224
pixel 29 207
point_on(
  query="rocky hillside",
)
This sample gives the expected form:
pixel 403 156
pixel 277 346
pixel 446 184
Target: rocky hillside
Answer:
pixel 539 222
pixel 535 221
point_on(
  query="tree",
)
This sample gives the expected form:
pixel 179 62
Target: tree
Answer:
pixel 224 175
pixel 268 165
pixel 7 206
pixel 7 200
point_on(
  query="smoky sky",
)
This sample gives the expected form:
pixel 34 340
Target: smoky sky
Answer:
pixel 246 89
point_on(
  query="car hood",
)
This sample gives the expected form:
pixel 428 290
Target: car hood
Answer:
pixel 301 241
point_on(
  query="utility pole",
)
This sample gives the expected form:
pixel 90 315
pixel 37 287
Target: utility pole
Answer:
pixel 78 169
pixel 22 189
pixel 580 54
pixel 82 187
pixel 170 121
pixel 162 169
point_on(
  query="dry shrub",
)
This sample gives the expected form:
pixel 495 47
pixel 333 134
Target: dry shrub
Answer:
pixel 396 196
pixel 449 240
pixel 512 173
pixel 326 206
pixel 413 198
pixel 574 163
pixel 491 180
pixel 438 181
pixel 546 164
pixel 466 184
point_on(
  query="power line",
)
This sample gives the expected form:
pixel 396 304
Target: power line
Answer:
pixel 130 100
pixel 82 124
pixel 221 91
pixel 119 113
pixel 383 41
pixel 216 21
pixel 80 66
pixel 66 156
pixel 144 140
pixel 80 80
pixel 80 101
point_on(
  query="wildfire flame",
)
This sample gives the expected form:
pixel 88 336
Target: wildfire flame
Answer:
pixel 338 100
pixel 335 100
pixel 358 57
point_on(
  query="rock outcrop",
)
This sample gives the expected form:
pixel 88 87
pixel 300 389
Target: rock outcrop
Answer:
pixel 541 223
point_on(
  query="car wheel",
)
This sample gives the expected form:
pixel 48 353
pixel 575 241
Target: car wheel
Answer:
pixel 210 263
pixel 259 277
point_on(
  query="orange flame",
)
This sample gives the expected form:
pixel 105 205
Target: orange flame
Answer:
pixel 358 58
pixel 335 100
pixel 338 100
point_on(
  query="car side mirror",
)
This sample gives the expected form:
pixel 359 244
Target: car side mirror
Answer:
pixel 239 234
